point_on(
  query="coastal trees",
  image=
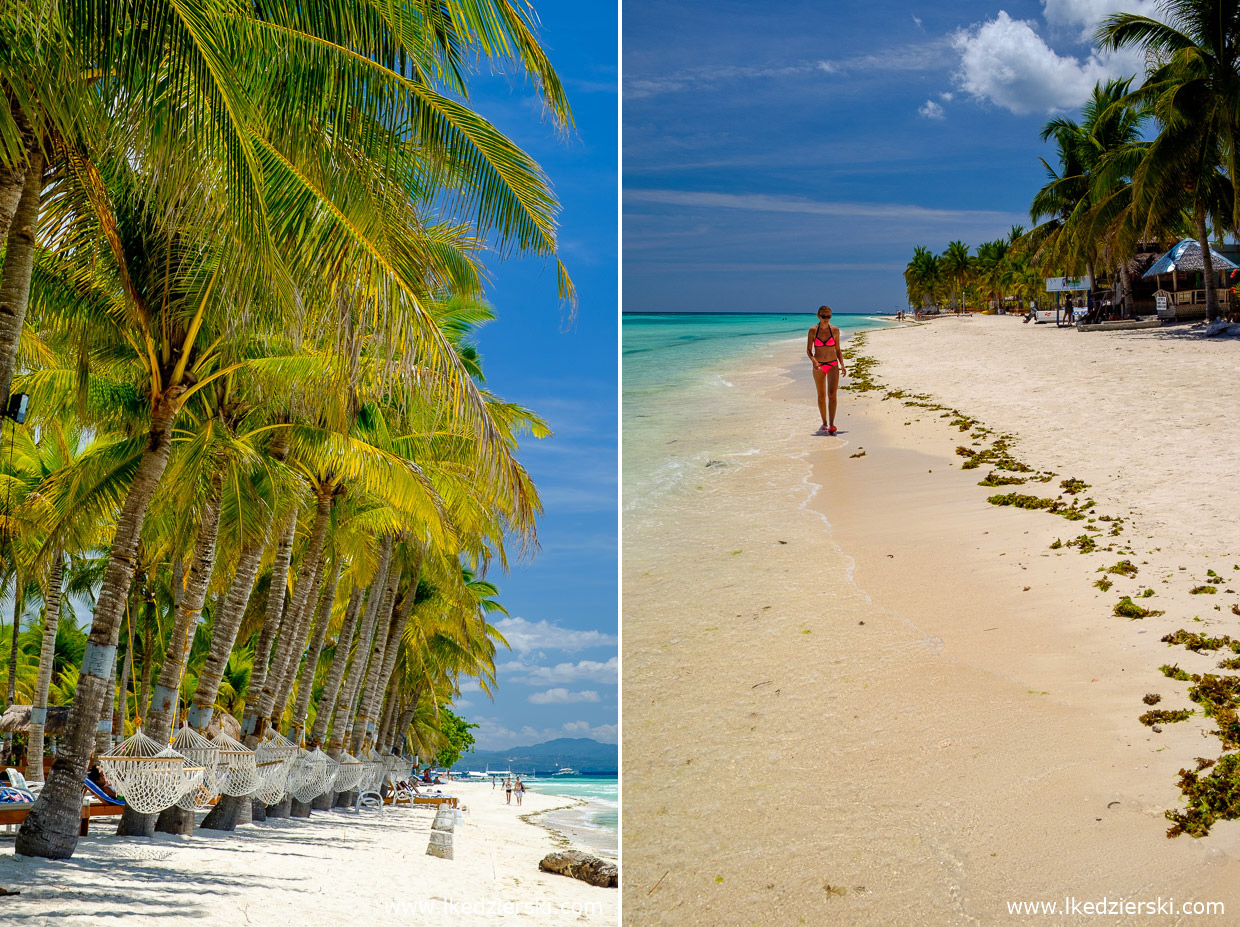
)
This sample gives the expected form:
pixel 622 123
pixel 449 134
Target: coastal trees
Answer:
pixel 956 266
pixel 1191 91
pixel 923 278
pixel 287 194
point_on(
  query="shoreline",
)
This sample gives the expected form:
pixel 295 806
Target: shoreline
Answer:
pixel 978 713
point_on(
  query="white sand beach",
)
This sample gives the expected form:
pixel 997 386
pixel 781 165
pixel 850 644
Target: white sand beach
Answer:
pixel 857 693
pixel 334 868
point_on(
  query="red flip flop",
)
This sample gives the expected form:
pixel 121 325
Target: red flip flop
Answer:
pixel 832 430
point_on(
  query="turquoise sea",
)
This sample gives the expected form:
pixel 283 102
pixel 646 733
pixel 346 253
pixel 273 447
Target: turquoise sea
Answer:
pixel 602 792
pixel 676 370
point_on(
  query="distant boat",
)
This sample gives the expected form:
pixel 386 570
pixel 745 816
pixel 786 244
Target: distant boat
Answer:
pixel 566 771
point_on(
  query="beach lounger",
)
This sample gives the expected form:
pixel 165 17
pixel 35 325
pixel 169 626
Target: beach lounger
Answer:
pixel 12 814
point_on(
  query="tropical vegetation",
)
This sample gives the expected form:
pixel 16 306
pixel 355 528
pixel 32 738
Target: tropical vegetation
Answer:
pixel 261 473
pixel 1152 163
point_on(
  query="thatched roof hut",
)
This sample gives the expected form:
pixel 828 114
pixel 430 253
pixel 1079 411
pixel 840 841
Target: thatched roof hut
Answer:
pixel 16 720
pixel 1186 256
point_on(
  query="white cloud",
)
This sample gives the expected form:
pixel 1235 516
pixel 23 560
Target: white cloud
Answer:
pixel 524 636
pixel 917 21
pixel 761 202
pixel 561 696
pixel 930 110
pixel 1005 62
pixel 1088 14
pixel 581 671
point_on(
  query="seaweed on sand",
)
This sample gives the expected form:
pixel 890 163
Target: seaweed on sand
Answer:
pixel 1152 698
pixel 1203 590
pixel 1197 641
pixel 1162 716
pixel 1073 486
pixel 1210 798
pixel 1071 512
pixel 1174 672
pixel 1104 584
pixel 1127 608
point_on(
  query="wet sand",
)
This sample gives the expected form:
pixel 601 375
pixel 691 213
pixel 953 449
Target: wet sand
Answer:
pixel 856 693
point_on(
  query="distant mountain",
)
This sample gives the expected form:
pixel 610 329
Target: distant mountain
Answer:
pixel 581 753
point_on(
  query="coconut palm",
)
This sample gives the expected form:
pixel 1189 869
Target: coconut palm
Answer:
pixel 956 265
pixel 923 277
pixel 1190 89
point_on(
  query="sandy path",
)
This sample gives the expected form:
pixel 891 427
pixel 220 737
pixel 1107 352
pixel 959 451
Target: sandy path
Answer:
pixel 333 869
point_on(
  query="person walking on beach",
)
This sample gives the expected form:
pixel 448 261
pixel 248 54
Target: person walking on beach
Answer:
pixel 519 788
pixel 823 349
pixel 508 791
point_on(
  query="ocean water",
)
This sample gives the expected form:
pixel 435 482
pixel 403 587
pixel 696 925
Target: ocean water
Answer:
pixel 602 793
pixel 677 372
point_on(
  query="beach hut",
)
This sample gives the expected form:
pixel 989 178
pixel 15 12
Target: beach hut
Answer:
pixel 1178 304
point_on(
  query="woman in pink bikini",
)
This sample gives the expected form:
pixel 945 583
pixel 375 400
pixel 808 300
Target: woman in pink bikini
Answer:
pixel 823 348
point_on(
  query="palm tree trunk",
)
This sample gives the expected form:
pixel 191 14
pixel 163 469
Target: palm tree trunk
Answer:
pixel 387 658
pixel 51 828
pixel 390 705
pixel 18 266
pixel 295 650
pixel 47 657
pixel 224 633
pixel 305 677
pixel 1207 261
pixel 162 714
pixel 342 712
pixel 331 685
pixel 335 673
pixel 365 659
pixel 292 641
pixel 266 637
pixel 1125 282
pixel 403 720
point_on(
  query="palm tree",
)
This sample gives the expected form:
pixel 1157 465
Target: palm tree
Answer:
pixel 923 278
pixel 1190 90
pixel 956 266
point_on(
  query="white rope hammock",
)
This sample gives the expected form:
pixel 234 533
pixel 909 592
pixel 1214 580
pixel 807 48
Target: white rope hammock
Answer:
pixel 238 775
pixel 312 773
pixel 349 773
pixel 148 775
pixel 199 751
pixel 274 756
pixel 372 771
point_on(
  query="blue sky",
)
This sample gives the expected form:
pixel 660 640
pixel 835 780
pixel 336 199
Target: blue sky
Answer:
pixel 560 678
pixel 793 153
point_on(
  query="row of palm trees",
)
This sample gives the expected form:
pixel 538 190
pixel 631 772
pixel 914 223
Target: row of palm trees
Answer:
pixel 957 278
pixel 1156 162
pixel 241 272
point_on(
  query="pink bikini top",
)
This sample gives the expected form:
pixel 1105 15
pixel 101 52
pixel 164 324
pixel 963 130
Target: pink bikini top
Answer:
pixel 818 343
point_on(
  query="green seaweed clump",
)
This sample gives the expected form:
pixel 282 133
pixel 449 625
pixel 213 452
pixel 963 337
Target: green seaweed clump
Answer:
pixel 1056 544
pixel 1215 694
pixel 1123 568
pixel 1127 608
pixel 1054 506
pixel 1073 486
pixel 1215 797
pixel 1152 698
pixel 1203 590
pixel 1197 642
pixel 1147 593
pixel 1104 584
pixel 1085 542
pixel 994 479
pixel 1230 663
pixel 858 454
pixel 1162 716
pixel 1174 672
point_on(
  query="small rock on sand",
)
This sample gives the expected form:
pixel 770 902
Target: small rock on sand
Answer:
pixel 582 866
